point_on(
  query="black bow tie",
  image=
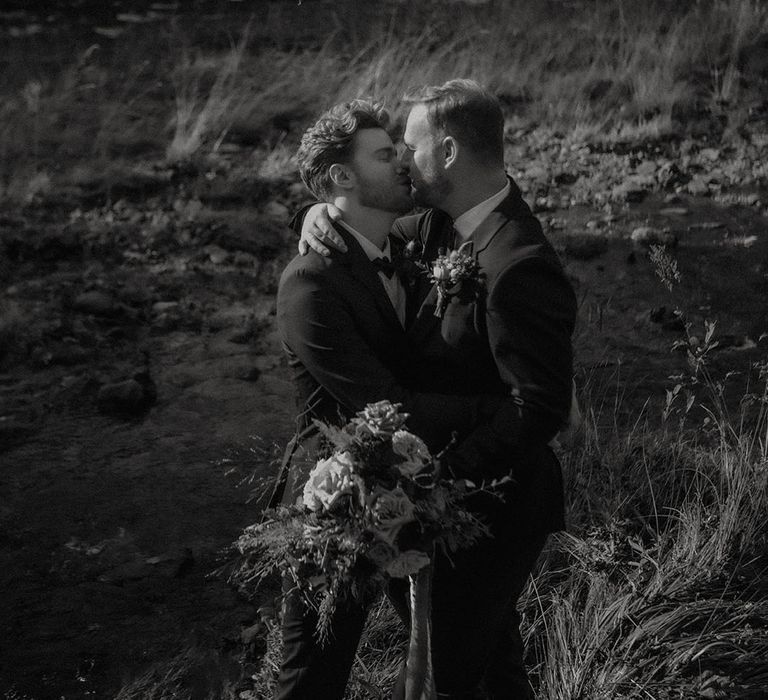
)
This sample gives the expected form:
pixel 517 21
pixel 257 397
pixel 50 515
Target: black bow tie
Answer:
pixel 384 265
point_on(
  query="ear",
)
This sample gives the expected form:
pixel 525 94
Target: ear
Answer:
pixel 341 176
pixel 450 151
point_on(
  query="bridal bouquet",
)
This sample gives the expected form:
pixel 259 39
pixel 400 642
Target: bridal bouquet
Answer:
pixel 373 506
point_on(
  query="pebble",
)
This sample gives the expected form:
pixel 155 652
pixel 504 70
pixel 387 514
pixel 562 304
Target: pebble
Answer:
pixel 698 187
pixel 160 307
pixel 94 302
pixel 674 211
pixel 628 192
pixel 129 397
pixel 649 235
pixel 216 254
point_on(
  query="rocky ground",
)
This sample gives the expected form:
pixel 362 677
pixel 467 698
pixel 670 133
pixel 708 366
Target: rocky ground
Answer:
pixel 143 397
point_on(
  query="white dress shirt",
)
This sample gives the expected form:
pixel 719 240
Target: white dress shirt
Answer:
pixel 392 285
pixel 466 224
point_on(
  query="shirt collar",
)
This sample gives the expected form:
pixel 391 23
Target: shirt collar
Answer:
pixel 466 224
pixel 369 248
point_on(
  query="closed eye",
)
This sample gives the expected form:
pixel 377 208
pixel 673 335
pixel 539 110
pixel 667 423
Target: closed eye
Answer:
pixel 386 154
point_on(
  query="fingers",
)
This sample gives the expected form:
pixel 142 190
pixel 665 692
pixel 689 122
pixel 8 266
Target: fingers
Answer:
pixel 314 240
pixel 334 213
pixel 303 247
pixel 334 240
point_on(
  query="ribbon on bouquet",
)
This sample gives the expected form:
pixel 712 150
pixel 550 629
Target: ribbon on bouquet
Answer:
pixel 419 679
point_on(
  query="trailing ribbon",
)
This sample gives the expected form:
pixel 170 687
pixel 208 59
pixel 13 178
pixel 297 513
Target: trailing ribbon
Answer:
pixel 419 679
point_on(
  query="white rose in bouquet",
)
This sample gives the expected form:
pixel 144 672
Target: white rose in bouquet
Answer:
pixel 331 479
pixel 412 449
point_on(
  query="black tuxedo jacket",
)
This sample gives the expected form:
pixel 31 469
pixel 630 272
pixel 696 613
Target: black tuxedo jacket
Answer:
pixel 347 348
pixel 509 336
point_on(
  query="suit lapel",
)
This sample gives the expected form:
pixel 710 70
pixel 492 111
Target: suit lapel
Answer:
pixel 360 268
pixel 422 319
pixel 511 207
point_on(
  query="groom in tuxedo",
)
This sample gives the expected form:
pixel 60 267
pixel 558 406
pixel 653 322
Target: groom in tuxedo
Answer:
pixel 510 337
pixel 342 323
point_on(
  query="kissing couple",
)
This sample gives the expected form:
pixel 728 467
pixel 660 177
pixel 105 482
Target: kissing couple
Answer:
pixel 486 358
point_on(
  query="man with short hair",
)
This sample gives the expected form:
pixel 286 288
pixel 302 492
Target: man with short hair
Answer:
pixel 511 339
pixel 341 319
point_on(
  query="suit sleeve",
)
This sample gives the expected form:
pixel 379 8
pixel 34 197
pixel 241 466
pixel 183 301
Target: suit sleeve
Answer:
pixel 408 228
pixel 530 316
pixel 319 328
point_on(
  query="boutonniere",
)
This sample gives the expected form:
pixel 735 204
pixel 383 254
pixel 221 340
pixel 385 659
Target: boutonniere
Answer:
pixel 449 272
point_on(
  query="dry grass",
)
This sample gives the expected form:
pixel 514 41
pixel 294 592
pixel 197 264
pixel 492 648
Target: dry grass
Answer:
pixel 659 588
pixel 614 70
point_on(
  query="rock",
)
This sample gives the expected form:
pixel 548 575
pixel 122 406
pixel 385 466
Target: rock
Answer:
pixel 172 564
pixel 649 235
pixel 585 246
pixel 225 318
pixel 248 374
pixel 130 571
pixel 216 254
pixel 674 211
pixel 14 431
pixel 129 397
pixel 629 192
pixel 647 168
pixel 698 187
pixel 543 204
pixel 68 354
pixel 160 307
pixel 565 178
pixel 242 259
pixel 706 226
pixel 95 302
pixel 668 320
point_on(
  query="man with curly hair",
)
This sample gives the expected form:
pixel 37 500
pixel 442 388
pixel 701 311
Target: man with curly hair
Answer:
pixel 342 323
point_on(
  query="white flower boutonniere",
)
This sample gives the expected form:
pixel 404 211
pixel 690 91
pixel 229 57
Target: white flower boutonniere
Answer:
pixel 449 271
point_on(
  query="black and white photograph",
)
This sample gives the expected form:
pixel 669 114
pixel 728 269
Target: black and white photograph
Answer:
pixel 383 350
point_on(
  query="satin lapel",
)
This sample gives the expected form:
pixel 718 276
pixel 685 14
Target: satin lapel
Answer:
pixel 360 267
pixel 438 236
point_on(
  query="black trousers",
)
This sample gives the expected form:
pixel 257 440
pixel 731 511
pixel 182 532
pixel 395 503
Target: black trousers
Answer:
pixel 309 669
pixel 475 623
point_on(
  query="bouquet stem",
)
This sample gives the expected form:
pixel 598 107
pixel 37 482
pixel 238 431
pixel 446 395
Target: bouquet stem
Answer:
pixel 419 681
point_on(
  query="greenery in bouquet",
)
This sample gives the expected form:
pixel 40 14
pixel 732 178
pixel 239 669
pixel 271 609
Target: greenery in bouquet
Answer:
pixel 375 507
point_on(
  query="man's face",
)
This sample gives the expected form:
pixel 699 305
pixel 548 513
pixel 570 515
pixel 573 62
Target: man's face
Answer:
pixel 423 156
pixel 383 182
